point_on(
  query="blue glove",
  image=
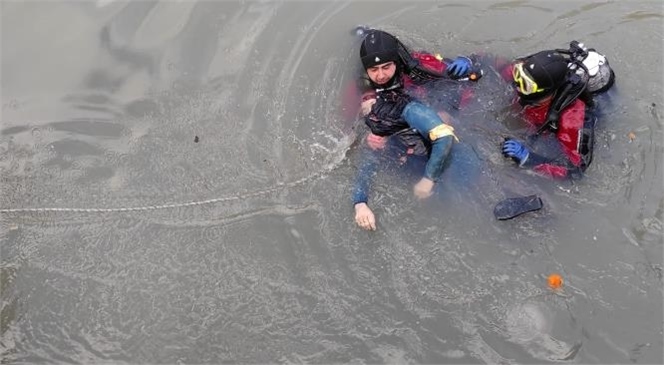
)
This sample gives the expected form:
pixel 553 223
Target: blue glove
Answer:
pixel 459 67
pixel 516 150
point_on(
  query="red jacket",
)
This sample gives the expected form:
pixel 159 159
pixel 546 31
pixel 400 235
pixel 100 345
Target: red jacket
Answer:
pixel 574 135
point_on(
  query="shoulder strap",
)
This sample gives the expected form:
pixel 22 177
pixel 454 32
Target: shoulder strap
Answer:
pixel 564 96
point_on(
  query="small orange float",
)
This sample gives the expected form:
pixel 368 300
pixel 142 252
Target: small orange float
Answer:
pixel 555 281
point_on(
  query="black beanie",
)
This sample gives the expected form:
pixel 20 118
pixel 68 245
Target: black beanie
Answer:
pixel 379 47
pixel 547 68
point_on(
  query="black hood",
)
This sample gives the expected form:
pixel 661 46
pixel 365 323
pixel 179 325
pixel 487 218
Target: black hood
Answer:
pixel 379 47
pixel 547 68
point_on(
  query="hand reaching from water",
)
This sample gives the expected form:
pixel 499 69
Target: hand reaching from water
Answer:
pixel 364 217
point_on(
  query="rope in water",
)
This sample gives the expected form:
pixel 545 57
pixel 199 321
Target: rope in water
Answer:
pixel 279 186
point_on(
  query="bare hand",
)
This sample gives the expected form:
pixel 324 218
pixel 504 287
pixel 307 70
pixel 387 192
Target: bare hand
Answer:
pixel 424 188
pixel 366 106
pixel 364 217
pixel 376 142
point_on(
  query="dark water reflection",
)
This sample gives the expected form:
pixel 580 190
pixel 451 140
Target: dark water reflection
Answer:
pixel 184 170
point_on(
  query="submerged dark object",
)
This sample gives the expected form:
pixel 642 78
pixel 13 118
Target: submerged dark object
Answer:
pixel 514 207
pixel 196 139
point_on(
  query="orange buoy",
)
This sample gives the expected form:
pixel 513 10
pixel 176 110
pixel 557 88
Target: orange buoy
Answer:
pixel 555 281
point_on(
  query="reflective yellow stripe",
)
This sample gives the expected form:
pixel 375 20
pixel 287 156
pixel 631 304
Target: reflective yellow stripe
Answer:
pixel 442 131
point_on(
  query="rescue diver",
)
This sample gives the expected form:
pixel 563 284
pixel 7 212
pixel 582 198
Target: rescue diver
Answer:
pixel 402 126
pixel 555 93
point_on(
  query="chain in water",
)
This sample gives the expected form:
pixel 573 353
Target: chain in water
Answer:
pixel 166 206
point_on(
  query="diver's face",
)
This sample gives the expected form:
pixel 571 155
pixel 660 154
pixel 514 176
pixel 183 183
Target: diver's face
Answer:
pixel 381 74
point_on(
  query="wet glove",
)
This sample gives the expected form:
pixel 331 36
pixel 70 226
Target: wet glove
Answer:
pixel 459 67
pixel 516 150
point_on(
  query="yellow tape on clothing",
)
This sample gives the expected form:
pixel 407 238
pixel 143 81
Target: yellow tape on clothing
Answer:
pixel 442 131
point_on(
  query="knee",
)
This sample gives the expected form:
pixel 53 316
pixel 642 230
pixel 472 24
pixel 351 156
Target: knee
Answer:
pixel 421 117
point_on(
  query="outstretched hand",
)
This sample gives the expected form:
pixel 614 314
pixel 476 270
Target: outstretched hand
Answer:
pixel 364 217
